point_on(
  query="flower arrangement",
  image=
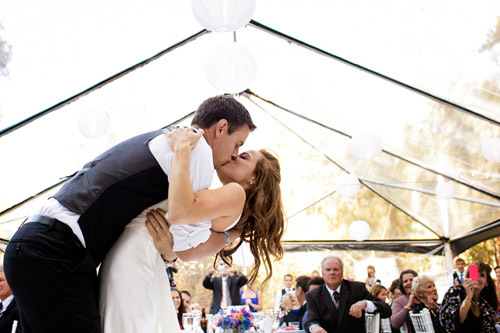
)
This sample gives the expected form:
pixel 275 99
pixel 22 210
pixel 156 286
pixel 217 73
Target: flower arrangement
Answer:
pixel 237 321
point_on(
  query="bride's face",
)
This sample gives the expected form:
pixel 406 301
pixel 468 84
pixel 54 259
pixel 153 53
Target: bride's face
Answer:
pixel 177 299
pixel 241 170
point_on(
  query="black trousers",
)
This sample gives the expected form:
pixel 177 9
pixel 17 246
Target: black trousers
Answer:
pixel 53 279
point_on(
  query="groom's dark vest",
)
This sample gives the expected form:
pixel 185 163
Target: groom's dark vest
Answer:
pixel 113 189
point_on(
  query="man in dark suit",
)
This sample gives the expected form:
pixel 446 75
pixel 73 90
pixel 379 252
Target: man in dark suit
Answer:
pixel 339 305
pixel 8 307
pixel 301 288
pixel 226 287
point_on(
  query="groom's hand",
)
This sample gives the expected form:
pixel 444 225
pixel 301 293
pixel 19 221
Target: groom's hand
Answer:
pixel 158 228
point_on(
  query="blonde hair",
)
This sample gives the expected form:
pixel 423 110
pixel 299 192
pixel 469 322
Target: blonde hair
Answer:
pixel 418 286
pixel 263 218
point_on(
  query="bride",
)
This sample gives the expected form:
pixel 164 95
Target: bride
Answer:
pixel 134 288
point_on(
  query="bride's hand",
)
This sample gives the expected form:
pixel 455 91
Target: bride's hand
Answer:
pixel 183 137
pixel 158 228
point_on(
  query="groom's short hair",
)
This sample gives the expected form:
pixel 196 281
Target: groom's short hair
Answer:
pixel 220 107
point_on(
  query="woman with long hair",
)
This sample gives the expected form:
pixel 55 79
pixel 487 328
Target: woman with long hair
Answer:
pixel 247 208
pixel 401 306
pixel 180 309
pixel 472 306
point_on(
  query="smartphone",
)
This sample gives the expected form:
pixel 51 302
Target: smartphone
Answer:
pixel 473 272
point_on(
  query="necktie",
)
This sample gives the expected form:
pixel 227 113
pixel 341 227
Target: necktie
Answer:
pixel 1 308
pixel 336 297
pixel 223 302
pixel 461 277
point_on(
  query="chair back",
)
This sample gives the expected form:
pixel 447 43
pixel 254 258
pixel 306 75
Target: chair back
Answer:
pixel 422 321
pixel 372 322
pixel 386 325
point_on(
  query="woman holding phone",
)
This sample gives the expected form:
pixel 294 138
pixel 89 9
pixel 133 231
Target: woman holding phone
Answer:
pixel 471 307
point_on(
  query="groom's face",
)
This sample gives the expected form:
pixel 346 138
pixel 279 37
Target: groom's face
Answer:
pixel 226 146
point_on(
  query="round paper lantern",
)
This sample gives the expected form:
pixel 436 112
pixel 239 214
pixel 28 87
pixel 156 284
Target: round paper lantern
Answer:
pixel 444 190
pixel 230 68
pixel 347 185
pixel 223 15
pixel 359 230
pixel 490 149
pixel 93 123
pixel 366 145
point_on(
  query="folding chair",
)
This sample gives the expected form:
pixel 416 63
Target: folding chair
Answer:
pixel 372 322
pixel 422 321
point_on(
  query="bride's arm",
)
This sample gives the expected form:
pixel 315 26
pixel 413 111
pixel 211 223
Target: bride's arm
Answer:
pixel 186 207
pixel 158 228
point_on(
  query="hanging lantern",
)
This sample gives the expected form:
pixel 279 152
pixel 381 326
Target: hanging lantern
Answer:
pixel 223 15
pixel 230 68
pixel 359 230
pixel 93 123
pixel 444 190
pixel 347 185
pixel 490 149
pixel 366 145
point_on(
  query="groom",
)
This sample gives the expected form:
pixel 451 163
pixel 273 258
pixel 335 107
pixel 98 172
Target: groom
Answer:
pixel 51 261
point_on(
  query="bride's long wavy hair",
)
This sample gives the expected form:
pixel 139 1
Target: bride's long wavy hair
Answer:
pixel 263 218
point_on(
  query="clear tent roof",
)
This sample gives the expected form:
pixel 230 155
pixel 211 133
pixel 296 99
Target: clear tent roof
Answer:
pixel 412 71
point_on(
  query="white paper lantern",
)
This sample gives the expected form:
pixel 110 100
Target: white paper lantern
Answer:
pixel 93 123
pixel 359 230
pixel 490 149
pixel 366 145
pixel 223 15
pixel 347 185
pixel 444 190
pixel 230 68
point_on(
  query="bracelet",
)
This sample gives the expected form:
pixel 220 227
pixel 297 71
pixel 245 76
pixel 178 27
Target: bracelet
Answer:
pixel 227 235
pixel 169 263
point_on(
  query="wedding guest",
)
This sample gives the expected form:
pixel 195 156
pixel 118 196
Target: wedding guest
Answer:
pixel 472 306
pixel 314 274
pixel 288 281
pixel 402 305
pixel 458 275
pixel 315 283
pixel 252 297
pixel 178 305
pixel 186 299
pixel 371 280
pixel 394 291
pixel 379 291
pixel 426 294
pixel 9 312
pixel 291 309
pixel 497 283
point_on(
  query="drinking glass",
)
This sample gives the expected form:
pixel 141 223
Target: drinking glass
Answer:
pixel 187 321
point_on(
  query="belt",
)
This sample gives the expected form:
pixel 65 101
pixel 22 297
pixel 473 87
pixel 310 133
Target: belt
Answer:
pixel 51 222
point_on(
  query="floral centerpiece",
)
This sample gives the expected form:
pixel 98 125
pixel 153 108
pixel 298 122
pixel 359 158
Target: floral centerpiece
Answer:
pixel 236 321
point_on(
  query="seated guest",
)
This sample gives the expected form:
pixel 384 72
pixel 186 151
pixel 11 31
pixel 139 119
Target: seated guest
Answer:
pixel 472 306
pixel 301 284
pixel 178 305
pixel 379 291
pixel 8 307
pixel 252 298
pixel 291 309
pixel 314 283
pixel 402 305
pixel 314 274
pixel 186 299
pixel 339 304
pixel 426 296
pixel 394 291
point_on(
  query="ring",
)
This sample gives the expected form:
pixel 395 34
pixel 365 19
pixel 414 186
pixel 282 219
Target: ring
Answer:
pixel 157 228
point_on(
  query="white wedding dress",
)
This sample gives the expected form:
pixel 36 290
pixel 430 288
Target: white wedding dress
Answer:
pixel 135 292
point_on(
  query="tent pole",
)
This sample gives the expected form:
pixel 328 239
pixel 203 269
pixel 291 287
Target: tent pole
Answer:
pixel 448 255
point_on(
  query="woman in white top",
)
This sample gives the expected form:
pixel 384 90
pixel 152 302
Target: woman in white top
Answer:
pixel 135 291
